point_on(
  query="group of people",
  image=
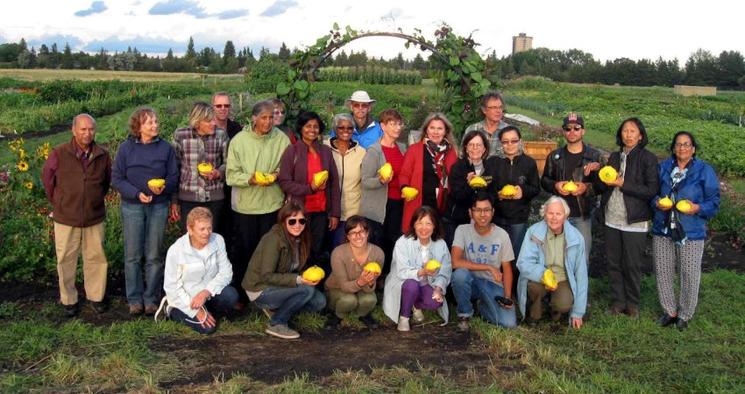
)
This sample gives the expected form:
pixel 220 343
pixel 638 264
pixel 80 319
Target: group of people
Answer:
pixel 262 203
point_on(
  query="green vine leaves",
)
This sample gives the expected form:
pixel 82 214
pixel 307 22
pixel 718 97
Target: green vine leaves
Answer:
pixel 460 69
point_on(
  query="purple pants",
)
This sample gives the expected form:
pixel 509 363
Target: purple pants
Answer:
pixel 413 294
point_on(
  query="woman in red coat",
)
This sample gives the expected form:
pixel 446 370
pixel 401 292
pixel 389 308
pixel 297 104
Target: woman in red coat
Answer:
pixel 427 165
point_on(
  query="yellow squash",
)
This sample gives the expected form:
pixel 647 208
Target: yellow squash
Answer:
pixel 314 274
pixel 372 266
pixel 570 187
pixel 432 265
pixel 156 182
pixel 684 206
pixel 477 182
pixel 409 193
pixel 607 174
pixel 386 171
pixel 320 177
pixel 665 202
pixel 549 279
pixel 204 168
pixel 508 191
pixel 264 179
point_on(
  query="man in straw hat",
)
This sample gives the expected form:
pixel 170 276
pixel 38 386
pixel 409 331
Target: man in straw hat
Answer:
pixel 366 130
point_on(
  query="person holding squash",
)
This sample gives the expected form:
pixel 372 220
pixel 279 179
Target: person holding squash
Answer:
pixel 273 280
pixel 687 200
pixel 355 267
pixel 628 184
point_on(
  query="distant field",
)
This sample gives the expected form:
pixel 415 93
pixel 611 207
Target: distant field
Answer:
pixel 90 75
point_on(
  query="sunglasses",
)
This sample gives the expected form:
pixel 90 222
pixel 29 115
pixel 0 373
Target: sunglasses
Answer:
pixel 510 142
pixel 293 221
pixel 570 128
pixel 221 106
pixel 360 105
pixel 345 128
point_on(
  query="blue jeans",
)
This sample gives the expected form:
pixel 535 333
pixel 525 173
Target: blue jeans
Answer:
pixel 466 287
pixel 144 227
pixel 584 225
pixel 220 305
pixel 286 302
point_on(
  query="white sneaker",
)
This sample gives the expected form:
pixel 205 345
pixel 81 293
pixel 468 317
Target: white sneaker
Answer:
pixel 165 308
pixel 403 324
pixel 418 315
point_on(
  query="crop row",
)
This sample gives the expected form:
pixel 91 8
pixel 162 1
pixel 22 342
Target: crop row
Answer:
pixel 367 74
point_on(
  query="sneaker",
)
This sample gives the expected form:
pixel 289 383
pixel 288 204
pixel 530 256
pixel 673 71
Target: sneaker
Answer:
pixel 282 331
pixel 70 311
pixel 666 320
pixel 135 309
pixel 150 309
pixel 418 315
pixel 403 324
pixel 164 308
pixel 464 324
pixel 98 307
pixel 681 324
pixel 369 321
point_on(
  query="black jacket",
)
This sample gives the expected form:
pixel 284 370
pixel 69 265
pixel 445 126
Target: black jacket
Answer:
pixel 521 171
pixel 640 183
pixel 555 171
pixel 460 197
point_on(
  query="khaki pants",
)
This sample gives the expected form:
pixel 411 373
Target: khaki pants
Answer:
pixel 561 301
pixel 343 304
pixel 68 241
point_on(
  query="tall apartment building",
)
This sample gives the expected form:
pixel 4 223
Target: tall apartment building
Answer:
pixel 521 43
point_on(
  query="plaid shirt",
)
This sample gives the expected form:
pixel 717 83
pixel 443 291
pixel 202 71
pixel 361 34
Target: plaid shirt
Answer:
pixel 495 145
pixel 192 149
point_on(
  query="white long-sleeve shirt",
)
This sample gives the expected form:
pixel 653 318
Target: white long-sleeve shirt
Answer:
pixel 189 271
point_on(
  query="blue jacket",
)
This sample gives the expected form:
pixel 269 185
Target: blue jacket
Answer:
pixel 532 262
pixel 136 163
pixel 370 135
pixel 700 186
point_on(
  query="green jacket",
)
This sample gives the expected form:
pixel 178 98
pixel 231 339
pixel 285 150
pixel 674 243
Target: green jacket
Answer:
pixel 270 263
pixel 247 153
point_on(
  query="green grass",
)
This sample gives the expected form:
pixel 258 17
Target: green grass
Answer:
pixel 609 354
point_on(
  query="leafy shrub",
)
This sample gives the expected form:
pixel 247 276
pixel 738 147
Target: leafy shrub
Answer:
pixel 265 75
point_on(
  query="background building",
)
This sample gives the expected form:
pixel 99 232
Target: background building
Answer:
pixel 521 43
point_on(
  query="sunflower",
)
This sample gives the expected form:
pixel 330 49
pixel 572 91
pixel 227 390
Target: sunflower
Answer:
pixel 29 185
pixel 22 166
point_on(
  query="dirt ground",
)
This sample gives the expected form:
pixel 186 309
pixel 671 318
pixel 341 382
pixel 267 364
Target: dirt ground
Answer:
pixel 271 360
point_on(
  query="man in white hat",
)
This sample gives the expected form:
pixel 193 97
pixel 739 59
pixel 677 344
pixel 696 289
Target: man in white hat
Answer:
pixel 366 130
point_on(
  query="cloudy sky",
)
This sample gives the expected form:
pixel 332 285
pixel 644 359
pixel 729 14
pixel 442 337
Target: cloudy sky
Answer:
pixel 633 28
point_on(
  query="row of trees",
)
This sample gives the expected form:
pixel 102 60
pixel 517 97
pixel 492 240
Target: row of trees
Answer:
pixel 702 68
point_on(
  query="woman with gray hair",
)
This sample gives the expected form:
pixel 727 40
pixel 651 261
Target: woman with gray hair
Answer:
pixel 553 248
pixel 348 156
pixel 253 163
pixel 201 151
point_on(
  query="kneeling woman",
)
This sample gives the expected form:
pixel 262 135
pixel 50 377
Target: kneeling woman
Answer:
pixel 273 278
pixel 351 288
pixel 197 275
pixel 411 287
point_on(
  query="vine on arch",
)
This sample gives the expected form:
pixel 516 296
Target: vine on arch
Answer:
pixel 460 69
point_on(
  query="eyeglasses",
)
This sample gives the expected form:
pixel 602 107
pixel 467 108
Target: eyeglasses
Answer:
pixel 475 145
pixel 221 106
pixel 510 142
pixel 345 128
pixel 293 222
pixel 685 145
pixel 481 211
pixel 359 233
pixel 570 128
pixel 360 105
pixel 495 107
pixel 278 112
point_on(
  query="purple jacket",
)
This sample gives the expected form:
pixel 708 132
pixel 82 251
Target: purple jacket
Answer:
pixel 293 175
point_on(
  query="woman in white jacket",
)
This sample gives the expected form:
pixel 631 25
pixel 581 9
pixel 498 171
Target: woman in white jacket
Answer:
pixel 197 275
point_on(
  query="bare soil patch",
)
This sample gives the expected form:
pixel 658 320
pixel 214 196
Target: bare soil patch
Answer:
pixel 271 360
